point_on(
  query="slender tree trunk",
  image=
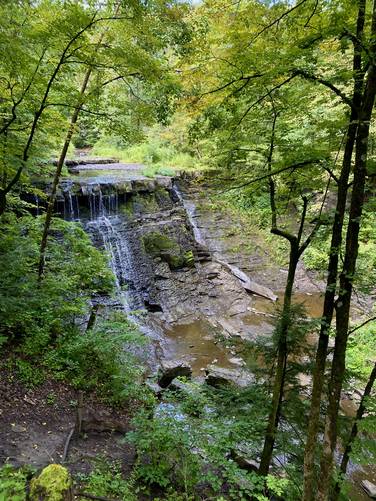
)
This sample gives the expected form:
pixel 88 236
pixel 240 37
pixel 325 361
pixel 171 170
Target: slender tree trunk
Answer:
pixel 347 275
pixel 296 250
pixel 37 116
pixel 92 318
pixel 354 431
pixel 329 299
pixel 59 167
pixel 60 163
pixel 326 320
pixel 280 374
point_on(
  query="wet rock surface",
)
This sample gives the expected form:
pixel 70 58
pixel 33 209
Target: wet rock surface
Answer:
pixel 219 376
pixel 369 488
pixel 172 369
pixel 174 260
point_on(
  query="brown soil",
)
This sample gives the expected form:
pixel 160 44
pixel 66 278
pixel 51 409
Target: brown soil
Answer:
pixel 35 423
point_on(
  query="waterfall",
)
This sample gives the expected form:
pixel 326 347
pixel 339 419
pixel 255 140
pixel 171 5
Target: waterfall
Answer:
pixel 102 204
pixel 190 209
pixel 118 256
pixel 71 206
pixel 110 230
pixel 37 212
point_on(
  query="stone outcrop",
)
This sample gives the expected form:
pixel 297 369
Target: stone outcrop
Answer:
pixel 171 369
pixel 369 488
pixel 243 461
pixel 218 376
pixel 248 284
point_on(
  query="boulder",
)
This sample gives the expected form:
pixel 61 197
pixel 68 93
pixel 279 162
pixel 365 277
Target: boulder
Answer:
pixel 219 376
pixel 370 488
pixel 163 182
pixel 243 461
pixel 184 388
pixel 154 388
pixel 53 484
pixel 171 369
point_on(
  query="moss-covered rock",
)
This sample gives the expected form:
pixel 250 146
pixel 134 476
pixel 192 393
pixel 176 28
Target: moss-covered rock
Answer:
pixel 155 243
pixel 53 484
pixel 163 246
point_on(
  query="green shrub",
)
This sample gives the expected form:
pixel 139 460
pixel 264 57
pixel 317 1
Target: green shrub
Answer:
pixel 164 449
pixel 102 360
pixel 157 154
pixel 13 483
pixel 106 480
pixel 35 313
pixel 29 373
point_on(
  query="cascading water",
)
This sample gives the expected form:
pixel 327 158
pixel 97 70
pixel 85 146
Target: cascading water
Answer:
pixel 109 228
pixel 191 212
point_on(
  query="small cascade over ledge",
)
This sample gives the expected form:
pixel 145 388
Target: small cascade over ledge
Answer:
pixel 167 279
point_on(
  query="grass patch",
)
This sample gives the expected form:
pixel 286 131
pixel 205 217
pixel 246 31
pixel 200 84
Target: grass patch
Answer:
pixel 157 155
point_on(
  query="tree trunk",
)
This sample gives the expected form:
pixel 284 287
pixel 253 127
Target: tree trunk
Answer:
pixel 3 201
pixel 336 241
pixel 280 375
pixel 59 167
pixel 347 275
pixel 354 431
pixel 326 320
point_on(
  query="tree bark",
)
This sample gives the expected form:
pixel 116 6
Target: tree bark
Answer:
pixel 354 432
pixel 37 116
pixel 280 374
pixel 59 167
pixel 330 291
pixel 348 271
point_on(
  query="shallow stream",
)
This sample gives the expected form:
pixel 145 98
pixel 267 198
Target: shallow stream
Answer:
pixel 200 315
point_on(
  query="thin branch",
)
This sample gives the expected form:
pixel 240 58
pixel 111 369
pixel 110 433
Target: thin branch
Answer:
pixel 312 14
pixel 21 98
pixel 319 222
pixel 67 443
pixel 362 325
pixel 264 96
pixel 235 80
pixel 326 83
pixel 302 219
pixel 331 173
pixel 274 173
pixel 79 107
pixel 276 21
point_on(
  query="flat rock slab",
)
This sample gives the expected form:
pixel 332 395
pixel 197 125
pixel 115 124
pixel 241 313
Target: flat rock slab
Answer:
pixel 219 376
pixel 243 461
pixel 248 284
pixel 370 488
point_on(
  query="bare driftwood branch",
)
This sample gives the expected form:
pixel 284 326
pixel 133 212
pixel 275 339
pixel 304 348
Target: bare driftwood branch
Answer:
pixel 67 443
